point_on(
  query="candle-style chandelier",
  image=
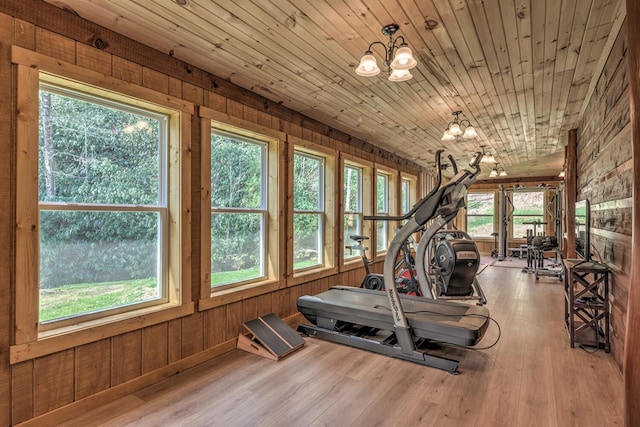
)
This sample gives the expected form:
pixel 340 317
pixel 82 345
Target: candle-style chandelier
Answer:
pixel 398 65
pixel 459 127
pixel 497 171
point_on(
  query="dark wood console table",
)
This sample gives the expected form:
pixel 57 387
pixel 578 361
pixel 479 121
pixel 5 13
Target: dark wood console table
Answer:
pixel 586 303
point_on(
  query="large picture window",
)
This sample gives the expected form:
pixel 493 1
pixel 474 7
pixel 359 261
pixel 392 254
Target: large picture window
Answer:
pixel 238 208
pixel 102 200
pixel 308 210
pixel 480 213
pixel 100 214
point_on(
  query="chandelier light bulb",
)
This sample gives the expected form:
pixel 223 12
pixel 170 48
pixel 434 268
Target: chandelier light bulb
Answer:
pixel 470 132
pixel 454 129
pixel 503 173
pixel 404 59
pixel 447 136
pixel 368 66
pixel 493 173
pixel 400 75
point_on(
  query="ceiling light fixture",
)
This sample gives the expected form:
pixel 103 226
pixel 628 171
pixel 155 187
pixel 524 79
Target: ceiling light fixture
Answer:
pixel 459 127
pixel 497 171
pixel 398 66
pixel 487 157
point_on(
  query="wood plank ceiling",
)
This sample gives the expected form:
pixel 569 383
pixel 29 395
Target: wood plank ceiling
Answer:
pixel 521 71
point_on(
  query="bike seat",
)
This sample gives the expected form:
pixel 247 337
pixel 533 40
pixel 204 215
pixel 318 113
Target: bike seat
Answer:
pixel 358 238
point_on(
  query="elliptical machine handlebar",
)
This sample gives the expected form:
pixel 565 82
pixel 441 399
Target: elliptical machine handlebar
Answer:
pixel 453 164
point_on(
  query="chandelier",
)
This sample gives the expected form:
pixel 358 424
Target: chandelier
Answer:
pixel 487 157
pixel 459 127
pixel 497 171
pixel 398 65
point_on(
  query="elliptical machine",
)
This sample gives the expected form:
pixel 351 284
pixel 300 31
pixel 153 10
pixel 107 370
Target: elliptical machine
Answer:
pixel 397 325
pixel 447 262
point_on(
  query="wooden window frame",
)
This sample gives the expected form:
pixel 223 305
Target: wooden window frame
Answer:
pixel 28 340
pixel 543 216
pixel 393 203
pixel 211 297
pixel 367 207
pixel 494 215
pixel 412 180
pixel 262 210
pixel 329 267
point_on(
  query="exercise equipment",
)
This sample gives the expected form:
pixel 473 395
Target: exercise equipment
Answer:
pixel 451 262
pixel 505 217
pixel 540 245
pixel 396 325
pixel 447 263
pixel 505 210
pixel 535 259
pixel 268 336
pixel 405 274
pixel 494 251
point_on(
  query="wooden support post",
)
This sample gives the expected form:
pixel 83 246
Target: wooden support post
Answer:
pixel 269 337
pixel 570 193
pixel 632 337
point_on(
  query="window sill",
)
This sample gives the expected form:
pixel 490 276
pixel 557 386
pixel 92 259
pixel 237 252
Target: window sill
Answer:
pixel 55 340
pixel 228 295
pixel 380 257
pixel 309 275
pixel 352 265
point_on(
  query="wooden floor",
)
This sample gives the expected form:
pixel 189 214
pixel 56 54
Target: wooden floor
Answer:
pixel 530 378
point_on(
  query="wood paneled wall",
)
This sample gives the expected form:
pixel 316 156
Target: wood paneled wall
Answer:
pixel 605 177
pixel 47 389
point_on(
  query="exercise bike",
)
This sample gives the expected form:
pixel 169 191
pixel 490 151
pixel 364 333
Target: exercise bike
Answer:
pixel 406 280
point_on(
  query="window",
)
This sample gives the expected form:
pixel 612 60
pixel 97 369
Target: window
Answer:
pixel 408 193
pixel 528 206
pixel 243 244
pixel 353 206
pixel 312 225
pixel 239 212
pixel 382 209
pixel 100 216
pixel 308 210
pixel 480 213
pixel 102 188
pixel 405 197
